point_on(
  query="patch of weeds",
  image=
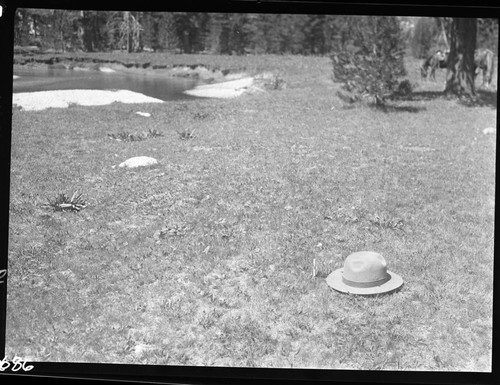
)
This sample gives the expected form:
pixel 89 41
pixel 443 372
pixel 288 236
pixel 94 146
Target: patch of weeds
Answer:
pixel 128 137
pixel 176 229
pixel 386 223
pixel 152 133
pixel 201 115
pixel 277 83
pixel 186 134
pixel 271 81
pixel 64 203
pixel 125 136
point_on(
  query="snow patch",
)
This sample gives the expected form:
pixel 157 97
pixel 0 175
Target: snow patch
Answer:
pixel 36 101
pixel 228 89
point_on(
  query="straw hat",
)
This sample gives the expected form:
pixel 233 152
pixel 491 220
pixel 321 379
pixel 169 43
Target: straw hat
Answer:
pixel 364 273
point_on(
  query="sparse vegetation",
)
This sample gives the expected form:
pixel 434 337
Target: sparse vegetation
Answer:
pixel 125 136
pixel 152 133
pixel 201 115
pixel 276 82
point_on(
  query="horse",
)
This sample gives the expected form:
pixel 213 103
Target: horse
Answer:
pixel 483 61
pixel 437 60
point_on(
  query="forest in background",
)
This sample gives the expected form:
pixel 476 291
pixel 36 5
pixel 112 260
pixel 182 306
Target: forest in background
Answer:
pixel 217 33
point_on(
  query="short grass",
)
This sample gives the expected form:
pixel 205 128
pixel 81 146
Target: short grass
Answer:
pixel 207 258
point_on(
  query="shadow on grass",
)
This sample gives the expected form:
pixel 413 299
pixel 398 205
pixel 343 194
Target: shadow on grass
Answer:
pixel 426 95
pixel 386 108
pixel 484 98
pixel 399 108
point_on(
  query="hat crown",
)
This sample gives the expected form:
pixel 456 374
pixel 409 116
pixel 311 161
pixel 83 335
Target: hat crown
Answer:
pixel 365 267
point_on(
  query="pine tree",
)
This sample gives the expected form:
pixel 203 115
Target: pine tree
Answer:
pixel 371 60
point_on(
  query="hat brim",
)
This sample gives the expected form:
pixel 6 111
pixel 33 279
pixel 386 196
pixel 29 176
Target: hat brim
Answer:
pixel 335 281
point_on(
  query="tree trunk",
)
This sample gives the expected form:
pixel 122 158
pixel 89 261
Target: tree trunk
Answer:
pixel 128 32
pixel 461 68
pixel 87 31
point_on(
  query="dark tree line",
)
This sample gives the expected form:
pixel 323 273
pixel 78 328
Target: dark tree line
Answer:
pixel 185 32
pixel 377 43
pixel 218 33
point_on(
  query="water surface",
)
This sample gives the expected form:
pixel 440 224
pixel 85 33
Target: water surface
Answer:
pixel 157 86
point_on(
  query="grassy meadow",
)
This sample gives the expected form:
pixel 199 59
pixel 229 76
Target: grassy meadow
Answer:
pixel 207 258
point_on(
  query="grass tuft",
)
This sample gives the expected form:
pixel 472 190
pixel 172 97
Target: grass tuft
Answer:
pixel 152 133
pixel 186 134
pixel 62 202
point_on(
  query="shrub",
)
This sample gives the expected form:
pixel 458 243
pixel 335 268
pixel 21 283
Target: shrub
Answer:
pixel 370 63
pixel 405 88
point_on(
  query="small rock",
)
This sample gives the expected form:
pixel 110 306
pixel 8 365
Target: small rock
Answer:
pixel 489 130
pixel 139 161
pixel 146 114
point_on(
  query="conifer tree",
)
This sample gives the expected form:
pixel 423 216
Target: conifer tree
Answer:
pixel 371 60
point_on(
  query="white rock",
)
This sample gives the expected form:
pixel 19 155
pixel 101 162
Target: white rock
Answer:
pixel 106 69
pixel 141 348
pixel 146 114
pixel 139 161
pixel 489 130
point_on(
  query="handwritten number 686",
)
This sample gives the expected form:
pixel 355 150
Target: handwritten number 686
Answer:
pixel 16 363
